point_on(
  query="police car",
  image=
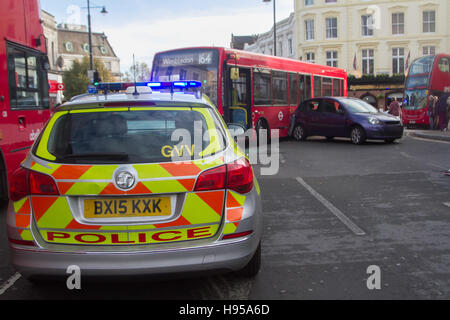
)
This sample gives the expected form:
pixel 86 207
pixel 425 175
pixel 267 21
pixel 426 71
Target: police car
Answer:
pixel 147 181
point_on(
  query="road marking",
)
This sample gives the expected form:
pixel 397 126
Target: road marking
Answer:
pixel 338 213
pixel 9 283
pixel 446 204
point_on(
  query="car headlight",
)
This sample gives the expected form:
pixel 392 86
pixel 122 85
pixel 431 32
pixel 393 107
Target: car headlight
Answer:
pixel 374 121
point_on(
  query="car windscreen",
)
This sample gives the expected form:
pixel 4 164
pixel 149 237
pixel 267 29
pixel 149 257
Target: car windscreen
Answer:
pixel 133 136
pixel 358 106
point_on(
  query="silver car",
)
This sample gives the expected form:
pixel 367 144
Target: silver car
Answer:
pixel 137 182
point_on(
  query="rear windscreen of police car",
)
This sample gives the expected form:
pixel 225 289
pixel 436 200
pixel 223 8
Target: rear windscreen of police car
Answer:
pixel 138 136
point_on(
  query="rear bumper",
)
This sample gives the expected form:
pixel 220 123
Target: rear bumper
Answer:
pixel 225 255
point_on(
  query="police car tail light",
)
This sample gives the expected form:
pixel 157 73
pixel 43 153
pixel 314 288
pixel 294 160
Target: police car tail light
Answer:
pixel 240 176
pixel 19 185
pixel 25 182
pixel 237 176
pixel 212 179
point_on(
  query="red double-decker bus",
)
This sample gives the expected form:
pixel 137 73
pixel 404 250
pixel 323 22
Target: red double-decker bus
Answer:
pixel 429 75
pixel 256 90
pixel 24 104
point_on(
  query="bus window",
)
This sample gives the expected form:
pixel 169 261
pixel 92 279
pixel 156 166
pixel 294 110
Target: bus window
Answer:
pixel 444 64
pixel 304 87
pixel 308 93
pixel 293 89
pixel 261 87
pixel 336 88
pixel 342 86
pixel 279 88
pixel 317 86
pixel 327 87
pixel 27 78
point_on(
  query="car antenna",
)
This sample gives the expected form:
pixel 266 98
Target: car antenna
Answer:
pixel 135 93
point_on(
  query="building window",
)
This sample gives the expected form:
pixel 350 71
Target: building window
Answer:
pixel 103 50
pixel 429 21
pixel 291 47
pixel 332 58
pixel 309 28
pixel 429 50
pixel 280 46
pixel 398 23
pixel 368 61
pixel 331 28
pixel 86 47
pixel 69 46
pixel 330 1
pixel 309 2
pixel 367 25
pixel 398 60
pixel 311 57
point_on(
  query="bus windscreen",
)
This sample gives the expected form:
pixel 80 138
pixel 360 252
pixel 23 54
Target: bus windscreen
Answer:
pixel 190 64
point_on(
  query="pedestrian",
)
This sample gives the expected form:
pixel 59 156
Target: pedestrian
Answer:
pixel 394 108
pixel 431 112
pixel 448 111
pixel 442 107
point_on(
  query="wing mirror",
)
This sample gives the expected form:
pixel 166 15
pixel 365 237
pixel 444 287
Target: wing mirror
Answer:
pixel 236 129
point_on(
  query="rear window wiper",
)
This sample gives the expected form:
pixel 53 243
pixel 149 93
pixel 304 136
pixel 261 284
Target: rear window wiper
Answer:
pixel 121 156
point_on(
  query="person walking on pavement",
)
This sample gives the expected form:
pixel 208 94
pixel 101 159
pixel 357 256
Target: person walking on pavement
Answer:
pixel 432 111
pixel 394 108
pixel 442 107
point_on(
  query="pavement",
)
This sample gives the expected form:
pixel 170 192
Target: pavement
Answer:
pixel 430 134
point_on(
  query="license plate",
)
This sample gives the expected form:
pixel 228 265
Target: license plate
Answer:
pixel 412 121
pixel 130 207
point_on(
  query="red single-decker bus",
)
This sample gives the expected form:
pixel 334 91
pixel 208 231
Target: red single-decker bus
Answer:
pixel 256 90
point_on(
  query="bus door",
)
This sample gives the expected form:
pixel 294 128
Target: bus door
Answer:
pixel 239 96
pixel 27 109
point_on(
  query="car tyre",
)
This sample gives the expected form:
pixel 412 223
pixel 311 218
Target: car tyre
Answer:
pixel 299 133
pixel 389 140
pixel 358 135
pixel 254 265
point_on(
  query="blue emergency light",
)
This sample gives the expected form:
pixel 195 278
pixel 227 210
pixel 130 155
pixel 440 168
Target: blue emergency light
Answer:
pixel 120 86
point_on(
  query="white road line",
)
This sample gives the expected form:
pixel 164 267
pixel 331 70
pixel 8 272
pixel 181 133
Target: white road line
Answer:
pixel 446 204
pixel 338 213
pixel 9 283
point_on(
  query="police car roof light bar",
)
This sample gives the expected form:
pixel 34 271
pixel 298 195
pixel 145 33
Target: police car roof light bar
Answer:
pixel 171 85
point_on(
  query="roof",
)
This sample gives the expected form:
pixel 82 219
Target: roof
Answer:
pixel 238 42
pixel 80 38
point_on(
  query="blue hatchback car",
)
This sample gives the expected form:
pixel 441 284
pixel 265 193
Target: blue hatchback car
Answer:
pixel 343 117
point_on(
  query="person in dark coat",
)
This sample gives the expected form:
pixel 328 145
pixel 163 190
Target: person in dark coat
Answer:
pixel 441 108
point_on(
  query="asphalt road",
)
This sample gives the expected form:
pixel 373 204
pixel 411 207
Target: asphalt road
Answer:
pixel 333 210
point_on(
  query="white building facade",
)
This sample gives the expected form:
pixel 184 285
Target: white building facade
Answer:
pixel 371 36
pixel 286 38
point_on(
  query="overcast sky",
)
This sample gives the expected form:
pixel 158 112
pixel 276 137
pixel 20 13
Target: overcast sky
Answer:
pixel 144 27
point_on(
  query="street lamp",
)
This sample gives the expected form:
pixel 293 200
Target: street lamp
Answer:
pixel 91 58
pixel 274 29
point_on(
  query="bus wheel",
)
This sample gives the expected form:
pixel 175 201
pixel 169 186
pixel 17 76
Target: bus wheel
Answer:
pixel 299 133
pixel 262 125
